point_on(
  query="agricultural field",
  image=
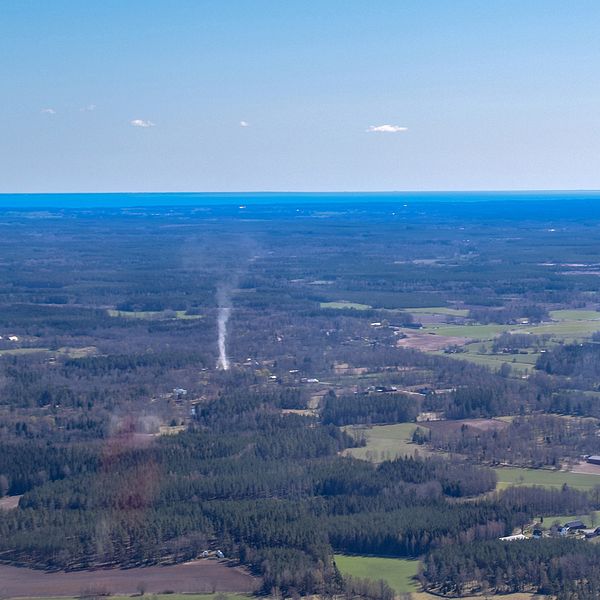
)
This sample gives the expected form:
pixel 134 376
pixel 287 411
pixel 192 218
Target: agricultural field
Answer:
pixel 508 476
pixel 169 596
pixel 386 442
pixel 521 364
pixel 474 331
pixel 152 315
pixel 344 304
pixel 428 342
pixel 196 576
pixel 22 351
pixel 589 520
pixel 439 310
pixel 516 596
pixel 398 573
pixel 566 326
pixel 456 425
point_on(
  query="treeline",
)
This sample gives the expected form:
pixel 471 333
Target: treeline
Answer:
pixel 535 501
pixel 369 408
pixel 95 366
pixel 562 568
pixel 24 466
pixel 573 366
pixel 509 314
pixel 518 342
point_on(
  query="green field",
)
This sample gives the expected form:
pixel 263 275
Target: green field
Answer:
pixel 21 351
pixel 151 314
pixel 398 573
pixel 344 304
pixel 562 329
pixel 508 476
pixel 478 332
pixel 562 519
pixel 386 441
pixel 439 310
pixel 522 363
pixel 567 330
pixel 567 326
pixel 575 315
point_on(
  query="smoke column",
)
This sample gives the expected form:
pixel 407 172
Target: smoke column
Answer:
pixel 224 302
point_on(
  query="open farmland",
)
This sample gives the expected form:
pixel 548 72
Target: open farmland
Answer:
pixel 439 310
pixel 475 340
pixel 456 425
pixel 397 573
pixel 152 315
pixel 590 520
pixel 384 442
pixel 508 476
pixel 168 596
pixel 519 363
pixel 197 576
pixel 342 304
pixel 428 342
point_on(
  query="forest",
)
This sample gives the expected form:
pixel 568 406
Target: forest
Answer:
pixel 468 323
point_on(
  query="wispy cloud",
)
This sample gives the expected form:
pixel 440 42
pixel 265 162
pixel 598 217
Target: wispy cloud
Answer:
pixel 244 124
pixel 141 123
pixel 88 108
pixel 386 129
pixel 48 111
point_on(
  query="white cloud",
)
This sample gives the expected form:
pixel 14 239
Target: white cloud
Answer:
pixel 88 108
pixel 386 129
pixel 244 124
pixel 141 123
pixel 48 111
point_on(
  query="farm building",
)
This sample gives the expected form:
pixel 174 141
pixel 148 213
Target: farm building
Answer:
pixel 593 460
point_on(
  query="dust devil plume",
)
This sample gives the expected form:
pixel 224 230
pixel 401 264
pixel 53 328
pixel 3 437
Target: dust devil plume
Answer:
pixel 224 302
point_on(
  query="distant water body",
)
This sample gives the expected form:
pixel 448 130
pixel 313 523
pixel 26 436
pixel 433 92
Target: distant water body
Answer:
pixel 126 200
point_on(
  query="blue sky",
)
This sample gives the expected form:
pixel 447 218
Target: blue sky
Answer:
pixel 114 95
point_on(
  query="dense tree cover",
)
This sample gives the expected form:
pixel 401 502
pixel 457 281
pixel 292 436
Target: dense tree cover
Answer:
pixel 509 314
pixel 573 367
pixel 29 464
pixel 536 501
pixel 456 477
pixel 560 567
pixel 369 408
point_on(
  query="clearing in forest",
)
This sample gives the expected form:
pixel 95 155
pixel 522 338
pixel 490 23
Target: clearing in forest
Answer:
pixel 396 572
pixel 386 442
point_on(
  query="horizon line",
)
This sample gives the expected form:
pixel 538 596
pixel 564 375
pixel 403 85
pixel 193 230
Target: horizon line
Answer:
pixel 322 192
